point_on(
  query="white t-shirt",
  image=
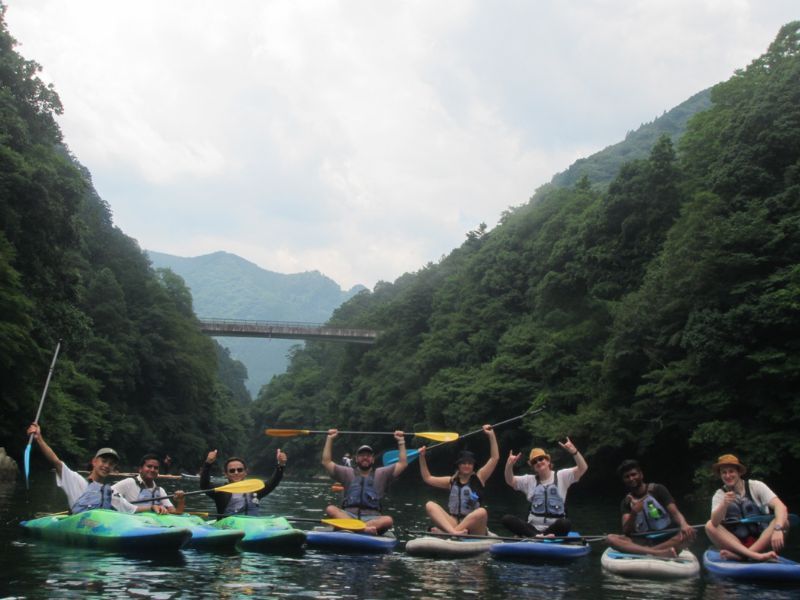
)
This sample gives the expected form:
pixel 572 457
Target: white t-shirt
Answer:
pixel 129 489
pixel 74 485
pixel 527 483
pixel 761 493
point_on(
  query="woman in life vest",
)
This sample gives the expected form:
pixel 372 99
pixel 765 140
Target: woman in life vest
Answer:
pixel 236 470
pixel 739 498
pixel 465 513
pixel 546 490
pixel 92 492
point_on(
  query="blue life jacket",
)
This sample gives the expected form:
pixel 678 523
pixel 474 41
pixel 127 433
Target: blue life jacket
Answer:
pixel 464 497
pixel 361 493
pixel 744 506
pixel 97 495
pixel 247 504
pixel 146 493
pixel 546 500
pixel 653 516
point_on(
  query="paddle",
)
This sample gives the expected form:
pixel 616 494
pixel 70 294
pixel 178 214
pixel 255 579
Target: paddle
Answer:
pixel 794 520
pixel 585 538
pixel 27 460
pixel 436 436
pixel 350 524
pixel 245 486
pixel 390 457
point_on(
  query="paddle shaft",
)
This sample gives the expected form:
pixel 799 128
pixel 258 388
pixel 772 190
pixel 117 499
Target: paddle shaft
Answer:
pixel 216 489
pixel 585 538
pixel 39 410
pixel 793 520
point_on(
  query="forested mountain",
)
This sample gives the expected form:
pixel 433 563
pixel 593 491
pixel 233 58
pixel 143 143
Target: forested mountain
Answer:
pixel 134 370
pixel 658 318
pixel 226 286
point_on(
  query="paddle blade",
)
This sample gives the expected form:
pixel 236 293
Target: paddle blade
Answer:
pixel 27 465
pixel 390 457
pixel 286 432
pixel 438 436
pixel 246 486
pixel 349 524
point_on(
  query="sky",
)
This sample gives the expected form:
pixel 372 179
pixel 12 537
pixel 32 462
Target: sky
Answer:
pixel 363 138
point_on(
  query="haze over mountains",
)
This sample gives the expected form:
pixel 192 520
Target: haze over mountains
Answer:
pixel 226 286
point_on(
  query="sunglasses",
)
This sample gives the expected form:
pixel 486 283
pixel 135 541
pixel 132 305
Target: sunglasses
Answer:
pixel 538 459
pixel 236 470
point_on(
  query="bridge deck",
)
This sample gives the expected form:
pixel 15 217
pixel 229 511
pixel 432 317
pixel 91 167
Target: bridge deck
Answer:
pixel 286 330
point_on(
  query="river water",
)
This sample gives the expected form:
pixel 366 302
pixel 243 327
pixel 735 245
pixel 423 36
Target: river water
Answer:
pixel 36 569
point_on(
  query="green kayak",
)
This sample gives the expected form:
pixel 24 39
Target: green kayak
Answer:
pixel 265 534
pixel 205 536
pixel 108 530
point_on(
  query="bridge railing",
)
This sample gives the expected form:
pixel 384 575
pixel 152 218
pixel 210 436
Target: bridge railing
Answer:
pixel 291 330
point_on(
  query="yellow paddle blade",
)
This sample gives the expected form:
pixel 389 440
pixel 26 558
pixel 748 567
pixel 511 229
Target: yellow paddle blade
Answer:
pixel 351 524
pixel 245 486
pixel 438 436
pixel 286 432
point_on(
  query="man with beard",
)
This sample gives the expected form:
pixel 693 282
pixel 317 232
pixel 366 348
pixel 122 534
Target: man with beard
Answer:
pixel 649 508
pixel 364 485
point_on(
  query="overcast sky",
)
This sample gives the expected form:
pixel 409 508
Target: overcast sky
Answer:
pixel 362 139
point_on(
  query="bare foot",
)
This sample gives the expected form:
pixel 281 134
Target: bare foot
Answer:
pixel 728 555
pixel 765 556
pixel 370 531
pixel 460 531
pixel 664 553
pixel 436 530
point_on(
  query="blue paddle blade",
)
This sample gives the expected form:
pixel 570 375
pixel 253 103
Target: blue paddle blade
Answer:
pixel 391 457
pixel 27 465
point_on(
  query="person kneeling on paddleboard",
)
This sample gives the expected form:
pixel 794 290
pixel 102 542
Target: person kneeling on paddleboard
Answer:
pixel 464 514
pixel 144 487
pixel 647 509
pixel 546 490
pixel 236 470
pixel 92 492
pixel 738 499
pixel 364 487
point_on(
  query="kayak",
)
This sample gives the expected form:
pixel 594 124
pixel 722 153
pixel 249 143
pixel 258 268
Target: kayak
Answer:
pixel 264 534
pixel 540 549
pixel 205 536
pixel 648 566
pixel 437 547
pixel 108 530
pixel 781 570
pixel 348 541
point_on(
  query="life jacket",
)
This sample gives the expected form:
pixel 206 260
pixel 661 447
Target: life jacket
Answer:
pixel 464 497
pixel 96 495
pixel 546 500
pixel 744 506
pixel 653 516
pixel 361 493
pixel 247 504
pixel 146 493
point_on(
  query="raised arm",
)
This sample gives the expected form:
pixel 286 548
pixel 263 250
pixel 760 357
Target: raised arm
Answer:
pixel 327 452
pixel 494 456
pixel 509 470
pixel 47 451
pixel 276 476
pixel 402 459
pixel 580 462
pixel 438 482
pixel 205 472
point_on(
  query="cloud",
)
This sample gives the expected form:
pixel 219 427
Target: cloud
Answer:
pixel 360 139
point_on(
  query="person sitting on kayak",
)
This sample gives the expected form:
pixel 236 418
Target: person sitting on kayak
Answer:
pixel 464 512
pixel 236 470
pixel 546 490
pixel 144 487
pixel 649 508
pixel 364 486
pixel 739 498
pixel 93 492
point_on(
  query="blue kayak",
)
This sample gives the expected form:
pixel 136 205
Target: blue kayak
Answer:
pixel 540 549
pixel 348 541
pixel 781 570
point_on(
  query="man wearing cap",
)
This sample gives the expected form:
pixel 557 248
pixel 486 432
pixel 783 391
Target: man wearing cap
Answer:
pixel 647 509
pixel 364 486
pixel 464 514
pixel 546 490
pixel 144 487
pixel 739 498
pixel 93 492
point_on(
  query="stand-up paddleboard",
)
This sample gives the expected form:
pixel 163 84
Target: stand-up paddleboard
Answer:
pixel 108 530
pixel 454 547
pixel 541 549
pixel 781 570
pixel 650 567
pixel 347 541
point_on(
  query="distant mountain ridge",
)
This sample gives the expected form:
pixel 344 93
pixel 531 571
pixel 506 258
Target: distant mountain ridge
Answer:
pixel 226 286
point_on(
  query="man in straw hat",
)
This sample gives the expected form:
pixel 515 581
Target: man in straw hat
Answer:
pixel 546 490
pixel 740 498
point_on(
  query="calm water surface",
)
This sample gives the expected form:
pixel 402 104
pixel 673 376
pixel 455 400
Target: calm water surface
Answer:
pixel 35 569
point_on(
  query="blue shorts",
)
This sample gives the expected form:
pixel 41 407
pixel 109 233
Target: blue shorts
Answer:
pixel 363 517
